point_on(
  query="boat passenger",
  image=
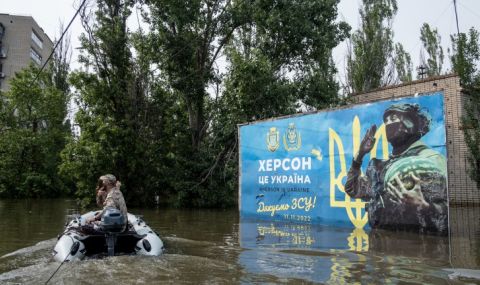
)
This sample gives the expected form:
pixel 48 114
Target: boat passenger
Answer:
pixel 101 193
pixel 109 194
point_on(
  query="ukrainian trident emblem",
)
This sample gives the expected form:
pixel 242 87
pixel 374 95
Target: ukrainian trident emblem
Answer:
pixel 292 139
pixel 273 139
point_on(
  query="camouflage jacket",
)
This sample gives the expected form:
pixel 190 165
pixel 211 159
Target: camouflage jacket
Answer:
pixel 383 210
pixel 115 199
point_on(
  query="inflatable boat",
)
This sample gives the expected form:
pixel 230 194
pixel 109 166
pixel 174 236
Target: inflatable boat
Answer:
pixel 113 235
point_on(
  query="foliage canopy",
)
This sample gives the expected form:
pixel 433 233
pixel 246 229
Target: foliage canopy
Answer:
pixel 159 109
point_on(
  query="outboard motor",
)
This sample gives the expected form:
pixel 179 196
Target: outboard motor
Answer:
pixel 112 223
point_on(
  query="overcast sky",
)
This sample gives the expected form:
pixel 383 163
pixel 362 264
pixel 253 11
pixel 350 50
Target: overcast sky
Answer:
pixel 411 15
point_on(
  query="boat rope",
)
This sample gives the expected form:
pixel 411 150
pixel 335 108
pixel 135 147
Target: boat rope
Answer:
pixel 69 253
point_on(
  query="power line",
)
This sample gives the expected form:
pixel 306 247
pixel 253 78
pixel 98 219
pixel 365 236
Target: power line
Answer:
pixel 58 42
pixel 440 16
pixel 469 10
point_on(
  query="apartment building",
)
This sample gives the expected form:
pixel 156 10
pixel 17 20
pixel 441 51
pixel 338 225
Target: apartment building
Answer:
pixel 22 41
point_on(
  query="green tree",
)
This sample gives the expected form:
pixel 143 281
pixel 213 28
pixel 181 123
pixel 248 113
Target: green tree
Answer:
pixel 60 65
pixel 279 61
pixel 112 106
pixel 187 39
pixel 465 61
pixel 273 50
pixel 32 135
pixel 432 44
pixel 370 56
pixel 149 117
pixel 403 64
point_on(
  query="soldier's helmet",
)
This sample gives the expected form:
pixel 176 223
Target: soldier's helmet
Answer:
pixel 420 117
pixel 110 178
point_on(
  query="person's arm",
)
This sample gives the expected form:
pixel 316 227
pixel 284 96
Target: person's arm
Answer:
pixel 357 186
pixel 96 217
pixel 107 203
pixel 101 195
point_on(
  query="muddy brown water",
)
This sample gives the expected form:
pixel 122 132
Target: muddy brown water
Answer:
pixel 217 247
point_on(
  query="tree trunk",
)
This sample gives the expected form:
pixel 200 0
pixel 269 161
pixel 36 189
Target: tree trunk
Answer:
pixel 196 120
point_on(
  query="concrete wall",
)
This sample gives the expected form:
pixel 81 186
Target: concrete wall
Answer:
pixel 462 190
pixel 16 44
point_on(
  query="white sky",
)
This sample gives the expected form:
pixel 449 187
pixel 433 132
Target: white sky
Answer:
pixel 411 15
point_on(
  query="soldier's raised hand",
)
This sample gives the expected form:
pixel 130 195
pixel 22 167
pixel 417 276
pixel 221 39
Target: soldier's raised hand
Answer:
pixel 367 143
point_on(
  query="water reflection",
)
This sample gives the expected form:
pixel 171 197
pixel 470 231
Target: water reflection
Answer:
pixel 269 234
pixel 465 236
pixel 26 222
pixel 433 249
pixel 340 255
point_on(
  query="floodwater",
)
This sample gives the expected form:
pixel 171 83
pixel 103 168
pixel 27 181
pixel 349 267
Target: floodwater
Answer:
pixel 216 247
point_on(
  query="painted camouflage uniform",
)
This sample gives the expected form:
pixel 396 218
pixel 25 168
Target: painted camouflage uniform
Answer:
pixel 383 212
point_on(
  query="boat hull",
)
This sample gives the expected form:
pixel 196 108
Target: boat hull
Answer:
pixel 78 242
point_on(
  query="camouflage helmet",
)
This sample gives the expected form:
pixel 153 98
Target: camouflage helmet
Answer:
pixel 420 117
pixel 110 178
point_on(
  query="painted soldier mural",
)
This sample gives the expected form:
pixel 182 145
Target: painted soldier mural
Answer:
pixel 407 191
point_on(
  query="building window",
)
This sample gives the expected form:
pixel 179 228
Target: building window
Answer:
pixel 2 75
pixel 35 56
pixel 2 31
pixel 36 39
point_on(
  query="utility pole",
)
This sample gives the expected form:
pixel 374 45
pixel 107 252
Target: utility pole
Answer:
pixel 421 71
pixel 456 15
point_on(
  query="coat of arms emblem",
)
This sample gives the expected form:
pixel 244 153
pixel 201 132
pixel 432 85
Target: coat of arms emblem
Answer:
pixel 292 139
pixel 273 139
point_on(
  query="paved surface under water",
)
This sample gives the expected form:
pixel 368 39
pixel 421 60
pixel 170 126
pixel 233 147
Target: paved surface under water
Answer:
pixel 215 247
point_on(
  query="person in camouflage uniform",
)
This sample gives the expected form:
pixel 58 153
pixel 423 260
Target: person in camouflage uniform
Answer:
pixel 408 191
pixel 109 196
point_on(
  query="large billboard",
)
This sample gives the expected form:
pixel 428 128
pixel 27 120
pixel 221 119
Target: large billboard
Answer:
pixel 380 164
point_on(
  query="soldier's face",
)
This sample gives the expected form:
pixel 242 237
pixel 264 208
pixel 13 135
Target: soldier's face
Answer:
pixel 398 128
pixel 102 182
